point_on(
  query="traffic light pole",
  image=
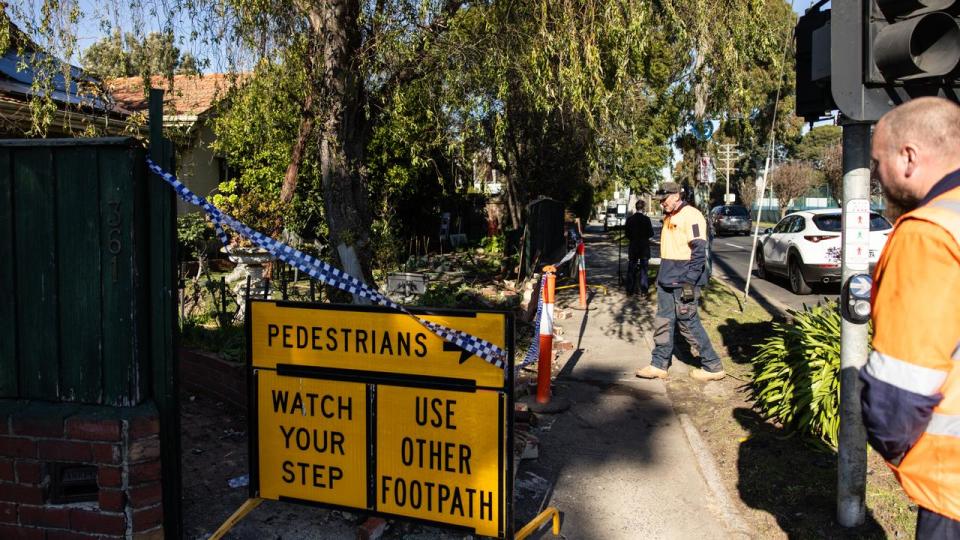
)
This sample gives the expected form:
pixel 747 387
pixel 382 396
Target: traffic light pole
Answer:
pixel 852 447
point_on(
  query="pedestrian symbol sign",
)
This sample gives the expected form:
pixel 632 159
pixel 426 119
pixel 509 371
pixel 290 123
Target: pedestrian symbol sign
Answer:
pixel 363 408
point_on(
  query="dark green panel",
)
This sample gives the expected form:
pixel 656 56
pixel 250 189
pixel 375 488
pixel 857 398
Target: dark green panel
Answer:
pixel 142 318
pixel 36 272
pixel 8 323
pixel 78 235
pixel 117 276
pixel 163 337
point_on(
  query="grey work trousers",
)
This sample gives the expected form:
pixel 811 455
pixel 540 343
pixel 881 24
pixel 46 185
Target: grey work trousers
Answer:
pixel 671 311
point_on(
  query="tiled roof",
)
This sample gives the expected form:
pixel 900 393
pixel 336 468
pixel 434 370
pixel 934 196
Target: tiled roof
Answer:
pixel 191 95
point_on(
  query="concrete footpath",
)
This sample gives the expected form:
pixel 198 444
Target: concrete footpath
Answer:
pixel 618 464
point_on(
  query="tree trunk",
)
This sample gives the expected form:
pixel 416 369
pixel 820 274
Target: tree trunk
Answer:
pixel 342 123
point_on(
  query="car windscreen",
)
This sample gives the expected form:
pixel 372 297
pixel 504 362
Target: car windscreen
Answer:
pixel 736 211
pixel 831 222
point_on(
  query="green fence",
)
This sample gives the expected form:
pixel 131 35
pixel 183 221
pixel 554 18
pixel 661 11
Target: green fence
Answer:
pixel 74 219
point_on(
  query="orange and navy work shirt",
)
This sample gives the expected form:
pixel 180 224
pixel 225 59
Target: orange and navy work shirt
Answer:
pixel 911 391
pixel 683 248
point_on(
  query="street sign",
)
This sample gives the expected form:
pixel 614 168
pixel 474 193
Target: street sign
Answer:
pixel 362 407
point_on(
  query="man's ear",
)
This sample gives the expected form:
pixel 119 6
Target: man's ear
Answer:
pixel 911 159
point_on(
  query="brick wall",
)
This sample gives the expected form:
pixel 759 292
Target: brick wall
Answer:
pixel 123 445
pixel 209 375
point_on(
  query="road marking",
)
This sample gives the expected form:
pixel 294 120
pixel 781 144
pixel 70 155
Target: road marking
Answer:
pixel 734 245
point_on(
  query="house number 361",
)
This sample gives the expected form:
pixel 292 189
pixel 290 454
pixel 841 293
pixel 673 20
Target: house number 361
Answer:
pixel 114 237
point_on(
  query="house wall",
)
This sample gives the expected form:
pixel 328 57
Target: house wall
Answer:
pixel 198 167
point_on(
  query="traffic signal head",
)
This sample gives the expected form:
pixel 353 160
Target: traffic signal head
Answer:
pixel 911 40
pixel 886 52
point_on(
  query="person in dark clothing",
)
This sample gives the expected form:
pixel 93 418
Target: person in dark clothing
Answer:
pixel 639 231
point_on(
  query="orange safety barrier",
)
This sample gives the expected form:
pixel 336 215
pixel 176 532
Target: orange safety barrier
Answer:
pixel 544 362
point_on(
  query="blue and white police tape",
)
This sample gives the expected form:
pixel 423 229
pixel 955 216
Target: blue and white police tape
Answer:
pixel 322 271
pixel 533 353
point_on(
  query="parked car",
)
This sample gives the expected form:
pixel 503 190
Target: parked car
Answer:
pixel 805 247
pixel 730 218
pixel 613 219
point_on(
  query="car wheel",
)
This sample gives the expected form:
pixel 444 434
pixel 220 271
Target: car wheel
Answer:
pixel 761 264
pixel 797 284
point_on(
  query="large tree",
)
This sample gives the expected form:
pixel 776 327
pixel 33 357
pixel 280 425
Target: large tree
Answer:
pixel 154 54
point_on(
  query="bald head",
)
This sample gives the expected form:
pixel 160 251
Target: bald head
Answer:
pixel 914 146
pixel 932 122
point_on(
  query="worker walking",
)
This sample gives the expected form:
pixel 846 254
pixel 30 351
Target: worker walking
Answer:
pixel 683 254
pixel 639 231
pixel 911 387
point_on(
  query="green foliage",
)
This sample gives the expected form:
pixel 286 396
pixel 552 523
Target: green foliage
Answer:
pixel 493 244
pixel 817 142
pixel 797 373
pixel 127 56
pixel 227 341
pixel 256 128
pixel 193 235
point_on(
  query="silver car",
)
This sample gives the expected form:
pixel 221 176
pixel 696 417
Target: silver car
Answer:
pixel 730 219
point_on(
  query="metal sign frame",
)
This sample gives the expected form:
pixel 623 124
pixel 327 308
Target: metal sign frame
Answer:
pixel 375 379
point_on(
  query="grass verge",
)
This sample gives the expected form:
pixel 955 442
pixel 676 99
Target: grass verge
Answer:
pixel 785 483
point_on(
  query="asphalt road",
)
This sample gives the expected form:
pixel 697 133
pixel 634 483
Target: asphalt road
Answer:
pixel 731 257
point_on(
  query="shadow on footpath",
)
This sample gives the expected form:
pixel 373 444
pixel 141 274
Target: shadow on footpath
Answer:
pixel 792 480
pixel 608 427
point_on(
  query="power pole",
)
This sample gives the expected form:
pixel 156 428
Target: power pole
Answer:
pixel 727 154
pixel 854 340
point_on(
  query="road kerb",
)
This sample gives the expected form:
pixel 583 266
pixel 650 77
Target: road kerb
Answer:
pixel 708 469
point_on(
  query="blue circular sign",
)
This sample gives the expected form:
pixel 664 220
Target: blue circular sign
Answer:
pixel 702 130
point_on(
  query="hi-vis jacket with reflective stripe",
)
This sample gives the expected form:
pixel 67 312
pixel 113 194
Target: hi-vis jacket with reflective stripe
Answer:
pixel 911 393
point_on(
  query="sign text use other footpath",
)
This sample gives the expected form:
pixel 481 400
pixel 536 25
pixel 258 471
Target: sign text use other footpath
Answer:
pixel 364 408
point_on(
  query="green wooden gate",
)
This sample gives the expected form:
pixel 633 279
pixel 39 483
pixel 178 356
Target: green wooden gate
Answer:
pixel 87 254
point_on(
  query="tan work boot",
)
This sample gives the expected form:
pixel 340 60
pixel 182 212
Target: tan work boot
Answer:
pixel 651 372
pixel 703 375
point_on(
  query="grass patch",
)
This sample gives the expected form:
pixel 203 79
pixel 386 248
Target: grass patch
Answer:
pixel 734 326
pixel 785 482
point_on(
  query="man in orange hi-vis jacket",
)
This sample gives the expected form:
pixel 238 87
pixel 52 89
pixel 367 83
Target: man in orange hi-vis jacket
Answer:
pixel 911 388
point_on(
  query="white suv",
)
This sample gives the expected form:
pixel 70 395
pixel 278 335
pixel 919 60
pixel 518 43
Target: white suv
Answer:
pixel 805 247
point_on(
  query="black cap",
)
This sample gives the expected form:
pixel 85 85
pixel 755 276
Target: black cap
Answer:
pixel 668 188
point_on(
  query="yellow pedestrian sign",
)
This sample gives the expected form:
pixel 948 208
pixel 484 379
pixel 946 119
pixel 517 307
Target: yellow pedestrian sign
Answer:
pixel 364 408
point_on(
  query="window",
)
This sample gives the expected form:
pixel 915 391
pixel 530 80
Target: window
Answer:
pixel 798 225
pixel 833 222
pixel 878 222
pixel 736 211
pixel 783 225
pixel 827 222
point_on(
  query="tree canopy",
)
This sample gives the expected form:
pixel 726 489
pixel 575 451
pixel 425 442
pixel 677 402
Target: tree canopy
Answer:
pixel 385 99
pixel 154 54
